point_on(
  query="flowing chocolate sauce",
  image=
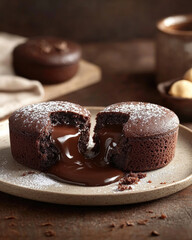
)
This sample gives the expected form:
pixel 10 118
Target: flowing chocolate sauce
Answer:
pixel 75 168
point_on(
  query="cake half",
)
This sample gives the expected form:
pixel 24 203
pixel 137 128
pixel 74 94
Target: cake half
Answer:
pixel 148 135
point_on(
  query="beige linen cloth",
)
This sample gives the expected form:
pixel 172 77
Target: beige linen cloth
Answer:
pixel 15 91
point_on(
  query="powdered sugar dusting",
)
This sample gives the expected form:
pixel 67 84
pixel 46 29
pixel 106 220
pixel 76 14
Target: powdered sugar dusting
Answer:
pixel 37 180
pixel 137 109
pixel 145 117
pixel 37 114
pixel 14 173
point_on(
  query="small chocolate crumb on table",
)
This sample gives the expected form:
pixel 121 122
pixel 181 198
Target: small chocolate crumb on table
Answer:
pixel 128 74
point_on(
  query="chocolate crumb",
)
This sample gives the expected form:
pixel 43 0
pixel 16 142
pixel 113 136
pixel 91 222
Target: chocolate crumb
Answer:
pixel 163 183
pixel 9 217
pixel 163 216
pixel 149 211
pixel 122 225
pixel 12 224
pixel 130 179
pixel 141 175
pixel 129 223
pixel 124 187
pixel 142 222
pixel 49 233
pixel 27 173
pixel 154 233
pixel 112 225
pixel 149 181
pixel 46 224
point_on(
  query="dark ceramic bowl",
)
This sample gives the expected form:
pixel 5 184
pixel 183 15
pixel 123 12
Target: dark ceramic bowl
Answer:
pixel 173 51
pixel 181 106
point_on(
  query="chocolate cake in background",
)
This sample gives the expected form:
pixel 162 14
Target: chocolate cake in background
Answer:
pixel 47 59
pixel 149 135
pixel 31 128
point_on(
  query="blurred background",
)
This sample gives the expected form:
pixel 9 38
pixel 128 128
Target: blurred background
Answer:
pixel 85 21
pixel 119 36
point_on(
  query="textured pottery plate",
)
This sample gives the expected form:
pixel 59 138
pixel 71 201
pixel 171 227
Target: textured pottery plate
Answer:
pixel 19 181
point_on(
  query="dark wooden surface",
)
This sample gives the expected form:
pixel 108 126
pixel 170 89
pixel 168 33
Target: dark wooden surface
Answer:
pixel 128 74
pixel 95 20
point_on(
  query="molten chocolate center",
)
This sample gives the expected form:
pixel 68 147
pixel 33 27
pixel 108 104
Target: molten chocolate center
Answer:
pixel 75 168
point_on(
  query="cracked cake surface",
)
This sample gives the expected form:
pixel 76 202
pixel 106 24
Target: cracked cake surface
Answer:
pixel 149 135
pixel 31 128
pixel 145 119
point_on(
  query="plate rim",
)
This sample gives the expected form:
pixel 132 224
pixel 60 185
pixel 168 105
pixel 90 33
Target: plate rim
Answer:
pixel 180 184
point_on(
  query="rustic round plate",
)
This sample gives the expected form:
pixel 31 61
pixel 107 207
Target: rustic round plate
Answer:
pixel 20 181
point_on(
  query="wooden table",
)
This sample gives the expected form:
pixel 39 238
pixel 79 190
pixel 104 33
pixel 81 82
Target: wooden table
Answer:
pixel 128 74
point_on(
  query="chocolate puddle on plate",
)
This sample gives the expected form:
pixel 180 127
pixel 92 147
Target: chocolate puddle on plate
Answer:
pixel 73 167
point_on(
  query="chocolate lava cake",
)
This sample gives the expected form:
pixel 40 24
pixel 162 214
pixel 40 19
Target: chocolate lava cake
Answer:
pixel 129 136
pixel 148 139
pixel 31 128
pixel 47 59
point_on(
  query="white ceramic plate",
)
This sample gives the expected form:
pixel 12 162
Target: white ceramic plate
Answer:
pixel 38 186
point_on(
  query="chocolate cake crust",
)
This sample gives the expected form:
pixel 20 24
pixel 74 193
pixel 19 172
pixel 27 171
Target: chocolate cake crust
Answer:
pixel 144 119
pixel 149 135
